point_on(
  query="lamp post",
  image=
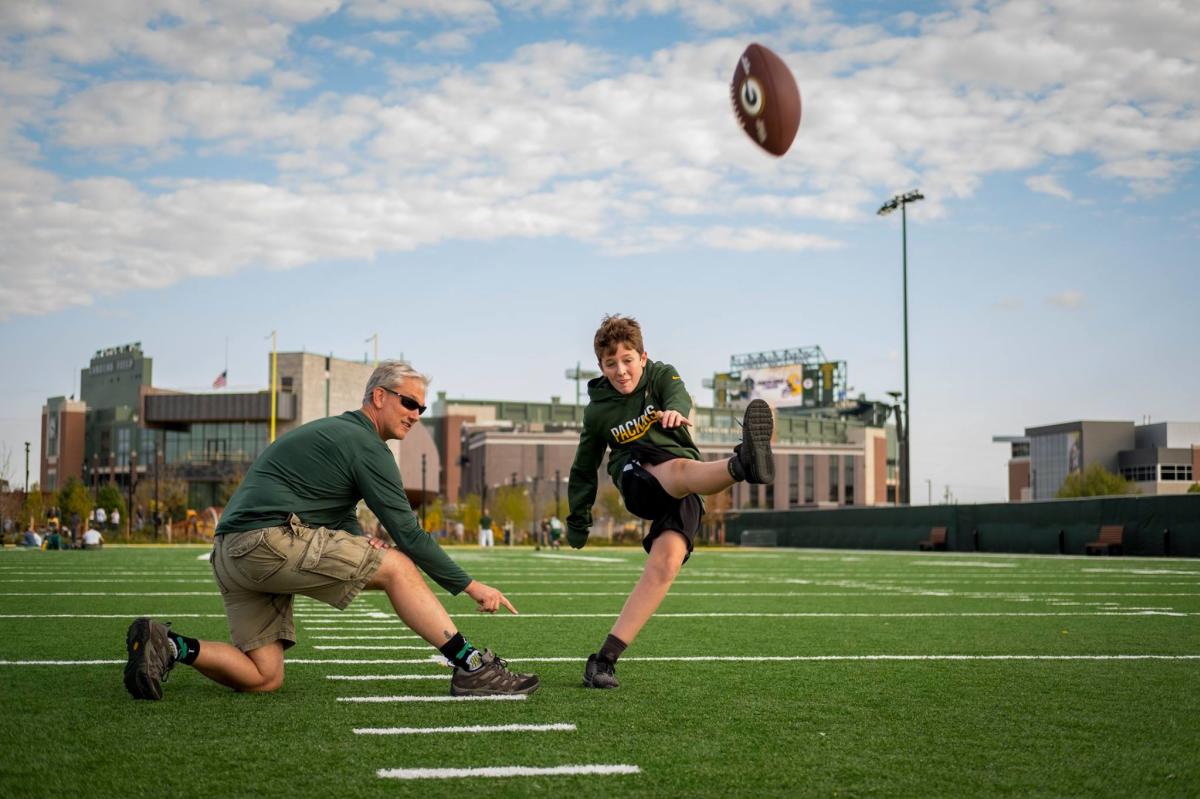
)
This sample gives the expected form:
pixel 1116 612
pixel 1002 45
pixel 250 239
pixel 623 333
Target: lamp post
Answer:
pixel 900 431
pixel 535 525
pixel 132 485
pixel 157 509
pixel 901 201
pixel 557 490
pixel 579 374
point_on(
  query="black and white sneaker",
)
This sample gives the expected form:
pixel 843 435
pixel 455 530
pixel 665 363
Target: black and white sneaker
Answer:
pixel 599 673
pixel 149 659
pixel 753 460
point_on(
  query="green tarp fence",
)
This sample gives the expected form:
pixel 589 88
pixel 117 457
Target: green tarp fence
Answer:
pixel 1157 525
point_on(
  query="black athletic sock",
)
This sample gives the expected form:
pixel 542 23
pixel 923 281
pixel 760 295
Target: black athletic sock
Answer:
pixel 461 653
pixel 612 649
pixel 736 471
pixel 186 649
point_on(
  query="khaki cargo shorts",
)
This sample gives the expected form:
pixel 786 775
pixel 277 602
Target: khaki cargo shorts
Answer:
pixel 260 571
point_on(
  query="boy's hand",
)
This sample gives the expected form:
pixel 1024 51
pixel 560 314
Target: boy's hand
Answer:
pixel 669 419
pixel 576 538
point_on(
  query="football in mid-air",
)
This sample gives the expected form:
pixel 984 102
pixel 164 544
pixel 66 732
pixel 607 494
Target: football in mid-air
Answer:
pixel 766 99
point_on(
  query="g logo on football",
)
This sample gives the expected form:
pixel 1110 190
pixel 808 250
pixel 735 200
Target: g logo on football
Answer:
pixel 751 96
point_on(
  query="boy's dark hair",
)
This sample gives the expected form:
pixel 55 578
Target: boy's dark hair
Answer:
pixel 614 330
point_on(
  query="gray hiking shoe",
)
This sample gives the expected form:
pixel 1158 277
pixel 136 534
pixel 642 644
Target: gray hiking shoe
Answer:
pixel 599 673
pixel 149 658
pixel 491 679
pixel 753 455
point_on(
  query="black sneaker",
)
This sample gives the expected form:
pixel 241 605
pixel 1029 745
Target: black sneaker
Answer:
pixel 491 678
pixel 149 658
pixel 754 453
pixel 599 673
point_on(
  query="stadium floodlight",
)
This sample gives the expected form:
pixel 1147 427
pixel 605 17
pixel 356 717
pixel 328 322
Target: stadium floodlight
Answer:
pixel 901 201
pixel 579 374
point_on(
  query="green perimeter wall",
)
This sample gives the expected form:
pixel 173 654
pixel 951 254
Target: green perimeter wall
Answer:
pixel 1158 525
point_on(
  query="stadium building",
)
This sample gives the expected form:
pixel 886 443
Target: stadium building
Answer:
pixel 830 451
pixel 124 430
pixel 1160 458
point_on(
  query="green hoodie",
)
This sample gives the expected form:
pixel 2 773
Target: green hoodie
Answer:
pixel 620 422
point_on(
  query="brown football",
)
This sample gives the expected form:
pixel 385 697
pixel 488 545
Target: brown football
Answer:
pixel 765 99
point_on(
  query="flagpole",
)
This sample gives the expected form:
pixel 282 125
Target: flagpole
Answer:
pixel 274 380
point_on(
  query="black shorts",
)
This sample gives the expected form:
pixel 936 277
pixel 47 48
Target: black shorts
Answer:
pixel 647 499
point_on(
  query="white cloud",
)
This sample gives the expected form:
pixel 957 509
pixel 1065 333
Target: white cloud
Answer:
pixel 1047 184
pixel 1068 300
pixel 556 139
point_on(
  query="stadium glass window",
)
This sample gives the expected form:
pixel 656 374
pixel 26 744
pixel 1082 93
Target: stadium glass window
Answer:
pixel 849 462
pixel 833 478
pixel 1177 471
pixel 793 480
pixel 810 475
pixel 123 438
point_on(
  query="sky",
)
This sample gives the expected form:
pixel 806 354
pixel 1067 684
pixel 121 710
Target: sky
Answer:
pixel 478 182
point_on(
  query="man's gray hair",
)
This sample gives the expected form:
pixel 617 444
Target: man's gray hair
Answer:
pixel 392 373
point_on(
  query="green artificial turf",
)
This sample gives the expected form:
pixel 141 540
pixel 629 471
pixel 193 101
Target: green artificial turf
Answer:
pixel 832 727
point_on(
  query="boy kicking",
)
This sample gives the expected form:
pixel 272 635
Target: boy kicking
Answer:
pixel 638 410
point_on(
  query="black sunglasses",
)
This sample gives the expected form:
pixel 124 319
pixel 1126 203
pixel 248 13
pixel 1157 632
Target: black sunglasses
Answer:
pixel 408 402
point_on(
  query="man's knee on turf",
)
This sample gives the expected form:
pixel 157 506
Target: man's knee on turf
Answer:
pixel 268 662
pixel 269 684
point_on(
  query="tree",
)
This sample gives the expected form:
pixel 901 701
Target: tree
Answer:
pixel 1195 488
pixel 74 501
pixel 512 505
pixel 435 515
pixel 111 499
pixel 1095 481
pixel 612 506
pixel 228 486
pixel 173 494
pixel 34 511
pixel 470 511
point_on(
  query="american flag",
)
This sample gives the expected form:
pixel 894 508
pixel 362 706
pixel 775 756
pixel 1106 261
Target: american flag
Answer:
pixel 220 381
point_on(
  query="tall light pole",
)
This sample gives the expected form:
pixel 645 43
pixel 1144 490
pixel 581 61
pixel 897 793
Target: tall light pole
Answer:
pixel 896 395
pixel 579 374
pixel 901 201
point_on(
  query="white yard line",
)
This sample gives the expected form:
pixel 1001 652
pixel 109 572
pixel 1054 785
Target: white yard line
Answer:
pixel 212 593
pixel 835 615
pixel 474 728
pixel 503 771
pixel 589 558
pixel 342 629
pixel 376 647
pixel 823 658
pixel 363 637
pixel 435 698
pixel 433 660
pixel 130 616
pixel 384 677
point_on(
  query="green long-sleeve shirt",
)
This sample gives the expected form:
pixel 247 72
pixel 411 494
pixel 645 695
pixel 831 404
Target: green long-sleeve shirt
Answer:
pixel 320 471
pixel 618 422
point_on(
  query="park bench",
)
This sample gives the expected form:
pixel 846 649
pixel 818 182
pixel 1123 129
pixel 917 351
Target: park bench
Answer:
pixel 936 540
pixel 1109 541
